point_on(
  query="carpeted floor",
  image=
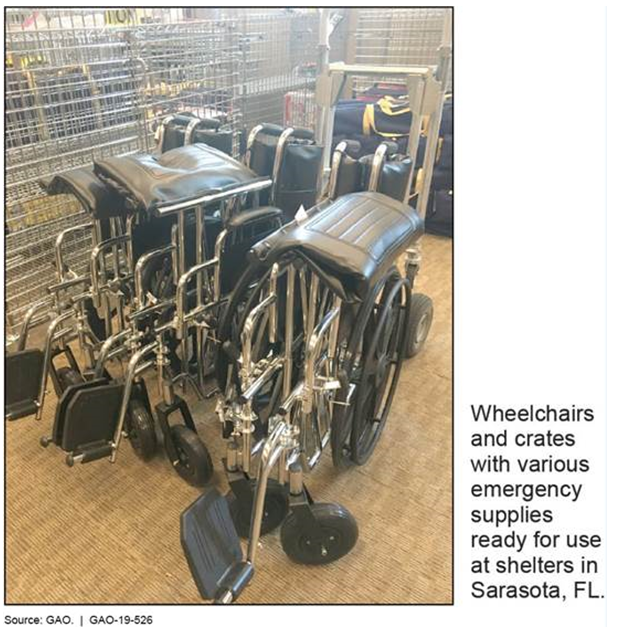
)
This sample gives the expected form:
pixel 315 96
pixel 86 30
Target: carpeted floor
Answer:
pixel 99 533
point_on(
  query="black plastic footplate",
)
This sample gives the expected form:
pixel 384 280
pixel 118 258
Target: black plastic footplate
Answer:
pixel 212 548
pixel 24 370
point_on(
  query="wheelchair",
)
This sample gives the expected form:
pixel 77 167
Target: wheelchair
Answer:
pixel 311 346
pixel 178 226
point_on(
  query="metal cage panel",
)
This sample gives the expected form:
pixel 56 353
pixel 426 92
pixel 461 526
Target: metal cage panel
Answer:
pixel 87 83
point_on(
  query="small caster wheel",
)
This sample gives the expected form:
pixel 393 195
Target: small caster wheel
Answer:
pixel 45 441
pixel 68 376
pixel 276 506
pixel 339 533
pixel 70 460
pixel 194 463
pixel 141 431
pixel 420 320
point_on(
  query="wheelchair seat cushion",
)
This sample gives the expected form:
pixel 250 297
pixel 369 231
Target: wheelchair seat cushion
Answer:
pixel 351 242
pixel 180 175
pixel 97 198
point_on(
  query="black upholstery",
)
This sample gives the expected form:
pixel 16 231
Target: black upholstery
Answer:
pixel 97 199
pixel 351 242
pixel 206 131
pixel 177 176
pixel 246 217
pixel 245 229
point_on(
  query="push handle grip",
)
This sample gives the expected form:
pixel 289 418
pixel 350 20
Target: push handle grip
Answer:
pixel 391 148
pixel 209 123
pixel 271 129
pixel 303 134
pixel 184 119
pixel 353 147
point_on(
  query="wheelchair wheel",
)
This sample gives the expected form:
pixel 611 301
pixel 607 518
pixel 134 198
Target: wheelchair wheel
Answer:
pixel 68 376
pixel 141 431
pixel 372 366
pixel 275 509
pixel 194 462
pixel 380 372
pixel 420 320
pixel 339 533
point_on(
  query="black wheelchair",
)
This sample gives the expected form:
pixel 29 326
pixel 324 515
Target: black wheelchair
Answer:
pixel 170 236
pixel 311 346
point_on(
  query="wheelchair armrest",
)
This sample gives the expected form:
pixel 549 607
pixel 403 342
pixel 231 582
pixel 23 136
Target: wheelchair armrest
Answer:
pixel 261 250
pixel 246 217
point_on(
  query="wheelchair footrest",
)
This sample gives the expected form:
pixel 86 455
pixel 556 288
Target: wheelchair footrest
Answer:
pixel 24 370
pixel 89 453
pixel 21 409
pixel 212 548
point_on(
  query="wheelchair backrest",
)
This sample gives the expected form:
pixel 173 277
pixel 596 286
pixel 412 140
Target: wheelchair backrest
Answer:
pixel 182 129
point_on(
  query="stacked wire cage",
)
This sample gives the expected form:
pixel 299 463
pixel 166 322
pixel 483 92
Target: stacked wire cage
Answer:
pixel 83 84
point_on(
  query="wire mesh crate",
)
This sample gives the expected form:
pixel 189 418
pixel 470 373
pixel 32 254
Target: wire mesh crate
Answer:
pixel 82 84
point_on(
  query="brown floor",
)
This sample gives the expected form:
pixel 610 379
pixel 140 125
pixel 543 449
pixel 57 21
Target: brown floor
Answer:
pixel 110 534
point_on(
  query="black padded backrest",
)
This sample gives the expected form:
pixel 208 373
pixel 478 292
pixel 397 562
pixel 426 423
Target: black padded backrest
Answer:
pixel 175 136
pixel 349 179
pixel 395 178
pixel 244 230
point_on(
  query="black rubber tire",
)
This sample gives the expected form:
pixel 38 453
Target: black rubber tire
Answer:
pixel 141 431
pixel 420 320
pixel 338 525
pixel 68 376
pixel 194 463
pixel 275 509
pixel 362 331
pixel 373 403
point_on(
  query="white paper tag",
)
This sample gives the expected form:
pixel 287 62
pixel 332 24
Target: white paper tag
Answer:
pixel 300 215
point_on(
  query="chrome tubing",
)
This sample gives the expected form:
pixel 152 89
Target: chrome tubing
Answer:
pixel 314 344
pixel 25 326
pixel 182 294
pixel 214 198
pixel 248 330
pixel 255 131
pixel 134 368
pixel 105 351
pixel 190 127
pixel 278 160
pixel 60 265
pixel 273 316
pixel 379 159
pixel 51 334
pixel 95 257
pixel 337 160
pixel 289 330
pixel 270 453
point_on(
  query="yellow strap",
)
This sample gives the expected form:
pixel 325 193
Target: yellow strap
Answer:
pixel 368 120
pixel 389 107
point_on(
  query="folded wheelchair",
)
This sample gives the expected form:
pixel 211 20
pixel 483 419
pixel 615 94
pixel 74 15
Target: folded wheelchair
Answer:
pixel 170 235
pixel 311 346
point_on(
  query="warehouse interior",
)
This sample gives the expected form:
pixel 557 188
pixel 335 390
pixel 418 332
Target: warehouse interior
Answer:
pixel 91 85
